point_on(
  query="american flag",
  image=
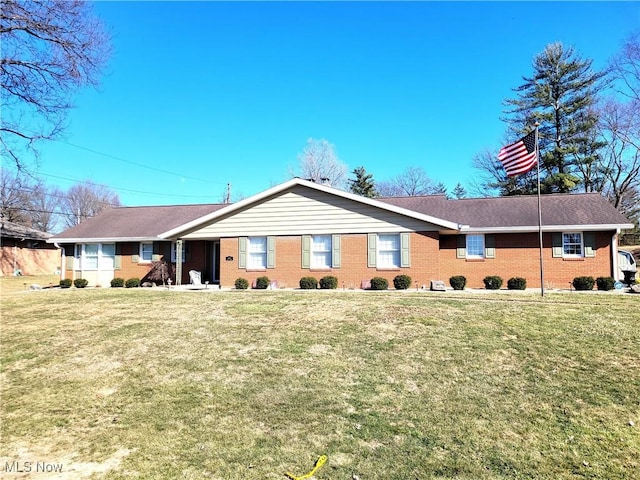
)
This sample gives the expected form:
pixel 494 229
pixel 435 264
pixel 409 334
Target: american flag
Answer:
pixel 519 157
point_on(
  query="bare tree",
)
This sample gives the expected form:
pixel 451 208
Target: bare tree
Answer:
pixel 14 188
pixel 85 200
pixel 625 68
pixel 50 49
pixel 412 182
pixel 44 204
pixel 319 162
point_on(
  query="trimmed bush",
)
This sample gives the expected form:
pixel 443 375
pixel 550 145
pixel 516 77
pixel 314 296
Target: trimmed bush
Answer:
pixel 458 282
pixel 117 282
pixel 80 283
pixel 132 282
pixel 401 282
pixel 241 283
pixel 308 283
pixel 379 283
pixel 66 283
pixel 492 282
pixel 605 283
pixel 583 283
pixel 516 283
pixel 329 282
pixel 262 283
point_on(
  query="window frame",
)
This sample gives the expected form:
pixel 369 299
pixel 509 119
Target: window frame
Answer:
pixel 321 249
pixel 471 245
pixel 141 252
pixel 579 244
pixel 395 252
pixel 99 261
pixel 262 254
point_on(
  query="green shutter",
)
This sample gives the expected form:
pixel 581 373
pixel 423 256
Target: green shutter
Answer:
pixel 242 252
pixel 336 256
pixel 271 252
pixel 405 254
pixel 589 244
pixel 306 251
pixel 117 261
pixel 461 250
pixel 489 246
pixel 372 242
pixel 556 245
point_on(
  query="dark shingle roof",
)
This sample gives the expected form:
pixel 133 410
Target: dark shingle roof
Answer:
pixel 138 222
pixel 22 232
pixel 516 211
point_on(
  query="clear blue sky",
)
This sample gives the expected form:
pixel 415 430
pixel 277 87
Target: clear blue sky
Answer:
pixel 210 93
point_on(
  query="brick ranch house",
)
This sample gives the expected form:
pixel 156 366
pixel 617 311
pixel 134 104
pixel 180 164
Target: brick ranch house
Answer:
pixel 25 251
pixel 300 228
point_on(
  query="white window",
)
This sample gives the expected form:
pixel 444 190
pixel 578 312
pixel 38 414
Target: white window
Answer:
pixel 96 256
pixel 146 252
pixel 174 247
pixel 321 251
pixel 257 253
pixel 388 251
pixel 475 246
pixel 107 256
pixel 572 244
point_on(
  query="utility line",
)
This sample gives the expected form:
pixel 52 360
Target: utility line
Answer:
pixel 113 157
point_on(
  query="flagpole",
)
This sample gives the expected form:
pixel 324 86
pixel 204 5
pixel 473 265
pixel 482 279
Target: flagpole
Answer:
pixel 537 124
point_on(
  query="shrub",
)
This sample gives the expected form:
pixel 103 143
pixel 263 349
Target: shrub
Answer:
pixel 66 283
pixel 329 282
pixel 458 282
pixel 80 282
pixel 516 283
pixel 117 282
pixel 492 282
pixel 605 283
pixel 379 283
pixel 132 282
pixel 583 283
pixel 242 283
pixel 308 283
pixel 262 283
pixel 401 282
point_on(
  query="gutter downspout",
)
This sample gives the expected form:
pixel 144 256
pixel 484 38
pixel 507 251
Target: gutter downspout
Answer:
pixel 63 260
pixel 614 254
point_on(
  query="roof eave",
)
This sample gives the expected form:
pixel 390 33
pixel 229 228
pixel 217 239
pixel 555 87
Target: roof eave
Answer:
pixel 102 239
pixel 547 228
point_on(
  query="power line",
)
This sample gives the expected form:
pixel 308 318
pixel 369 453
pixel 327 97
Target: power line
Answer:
pixel 130 162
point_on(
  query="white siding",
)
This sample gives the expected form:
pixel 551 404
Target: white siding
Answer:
pixel 305 211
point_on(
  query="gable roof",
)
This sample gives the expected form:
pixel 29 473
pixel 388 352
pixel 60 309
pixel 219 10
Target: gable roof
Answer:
pixel 21 232
pixel 589 211
pixel 286 186
pixel 496 214
pixel 134 223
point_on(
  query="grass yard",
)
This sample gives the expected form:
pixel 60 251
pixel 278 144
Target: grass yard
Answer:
pixel 120 383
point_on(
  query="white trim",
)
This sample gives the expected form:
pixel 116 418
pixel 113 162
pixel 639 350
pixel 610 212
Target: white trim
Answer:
pixel 545 228
pixel 323 188
pixel 64 241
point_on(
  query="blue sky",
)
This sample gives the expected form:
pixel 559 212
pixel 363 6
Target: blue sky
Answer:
pixel 198 95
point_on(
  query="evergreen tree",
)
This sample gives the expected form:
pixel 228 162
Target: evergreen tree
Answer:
pixel 363 183
pixel 459 191
pixel 441 189
pixel 560 95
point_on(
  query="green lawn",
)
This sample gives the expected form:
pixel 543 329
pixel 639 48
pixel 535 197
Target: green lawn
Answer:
pixel 133 383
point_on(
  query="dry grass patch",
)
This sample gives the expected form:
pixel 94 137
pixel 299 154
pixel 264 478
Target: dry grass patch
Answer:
pixel 160 384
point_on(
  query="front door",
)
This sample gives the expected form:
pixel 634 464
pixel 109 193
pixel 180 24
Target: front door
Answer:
pixel 215 258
